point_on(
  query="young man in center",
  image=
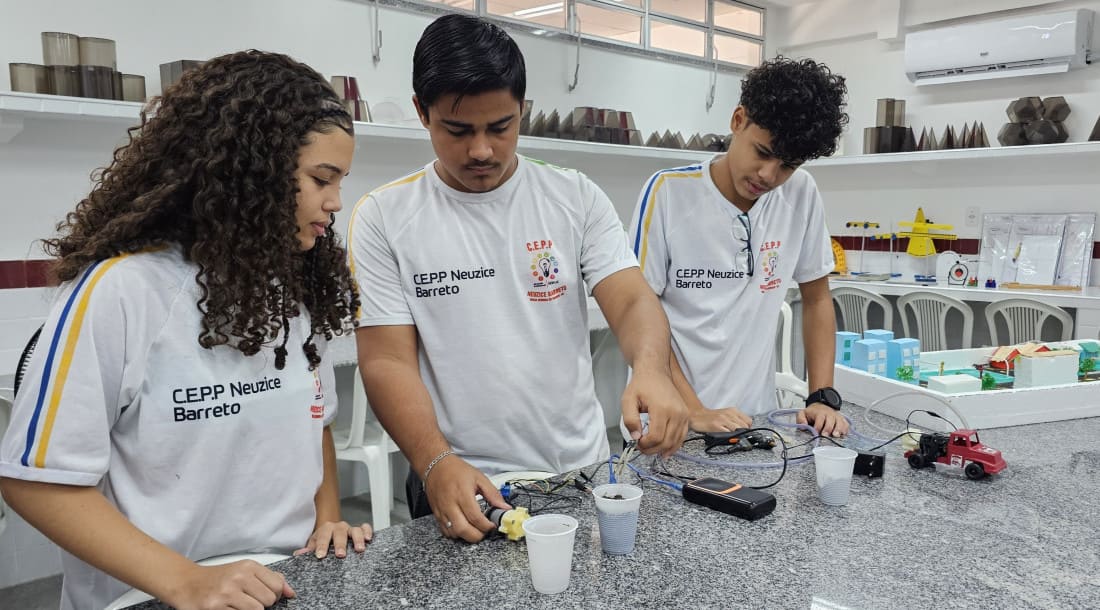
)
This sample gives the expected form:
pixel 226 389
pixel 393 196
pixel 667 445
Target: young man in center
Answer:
pixel 474 272
pixel 721 242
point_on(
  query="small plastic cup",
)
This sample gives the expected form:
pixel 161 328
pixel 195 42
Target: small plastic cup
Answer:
pixel 550 551
pixel 617 512
pixel 834 474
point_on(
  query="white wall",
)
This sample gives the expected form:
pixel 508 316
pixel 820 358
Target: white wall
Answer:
pixel 333 37
pixel 875 69
pixel 45 168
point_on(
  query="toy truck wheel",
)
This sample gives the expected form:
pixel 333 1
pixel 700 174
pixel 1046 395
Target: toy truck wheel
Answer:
pixel 916 460
pixel 974 471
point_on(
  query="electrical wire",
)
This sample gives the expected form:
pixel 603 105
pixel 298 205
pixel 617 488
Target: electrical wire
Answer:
pixel 870 407
pixel 783 464
pixel 650 477
pixel 818 437
pixel 773 418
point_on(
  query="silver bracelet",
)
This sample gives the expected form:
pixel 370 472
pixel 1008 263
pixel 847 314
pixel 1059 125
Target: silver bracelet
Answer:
pixel 431 465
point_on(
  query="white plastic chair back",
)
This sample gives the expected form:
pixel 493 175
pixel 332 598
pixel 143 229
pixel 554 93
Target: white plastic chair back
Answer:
pixel 930 309
pixel 1024 319
pixel 5 418
pixel 855 303
pixel 133 596
pixel 365 441
pixel 790 390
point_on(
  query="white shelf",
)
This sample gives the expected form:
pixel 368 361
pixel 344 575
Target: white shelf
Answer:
pixel 14 107
pixel 1004 153
pixel 960 163
pixel 1070 162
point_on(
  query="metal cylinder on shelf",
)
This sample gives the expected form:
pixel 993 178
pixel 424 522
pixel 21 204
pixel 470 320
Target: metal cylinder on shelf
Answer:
pixel 64 80
pixel 98 52
pixel 29 78
pixel 60 49
pixel 133 88
pixel 97 82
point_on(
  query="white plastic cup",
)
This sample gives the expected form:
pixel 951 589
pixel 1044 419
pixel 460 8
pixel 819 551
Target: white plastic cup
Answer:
pixel 550 551
pixel 834 474
pixel 618 518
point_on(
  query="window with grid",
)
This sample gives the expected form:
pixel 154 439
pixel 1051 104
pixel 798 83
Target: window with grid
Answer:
pixel 727 32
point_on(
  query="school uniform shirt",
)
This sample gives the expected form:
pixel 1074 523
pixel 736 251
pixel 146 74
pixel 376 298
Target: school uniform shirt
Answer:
pixel 208 451
pixel 724 321
pixel 495 284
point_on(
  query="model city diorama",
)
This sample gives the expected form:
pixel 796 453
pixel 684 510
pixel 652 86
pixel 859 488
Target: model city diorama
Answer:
pixel 1029 365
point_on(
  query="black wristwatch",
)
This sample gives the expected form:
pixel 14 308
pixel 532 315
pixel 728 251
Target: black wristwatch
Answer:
pixel 827 396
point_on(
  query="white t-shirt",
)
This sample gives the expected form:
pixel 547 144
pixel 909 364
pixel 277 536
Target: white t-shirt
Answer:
pixel 493 283
pixel 723 321
pixel 207 451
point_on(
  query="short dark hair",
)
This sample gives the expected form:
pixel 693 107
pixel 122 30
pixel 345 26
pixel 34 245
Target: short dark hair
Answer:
pixel 467 56
pixel 800 102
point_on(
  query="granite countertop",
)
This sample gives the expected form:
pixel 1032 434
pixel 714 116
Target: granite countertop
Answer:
pixel 1028 537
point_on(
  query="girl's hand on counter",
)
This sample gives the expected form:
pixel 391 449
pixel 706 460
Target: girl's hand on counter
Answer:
pixel 337 534
pixel 241 584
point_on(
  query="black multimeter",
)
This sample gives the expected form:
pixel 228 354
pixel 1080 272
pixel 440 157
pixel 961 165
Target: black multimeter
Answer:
pixel 730 498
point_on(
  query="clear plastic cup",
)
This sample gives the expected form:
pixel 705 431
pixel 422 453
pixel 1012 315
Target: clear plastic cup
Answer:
pixel 834 467
pixel 550 551
pixel 617 512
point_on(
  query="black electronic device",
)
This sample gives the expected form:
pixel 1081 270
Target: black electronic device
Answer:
pixel 869 464
pixel 730 498
pixel 740 439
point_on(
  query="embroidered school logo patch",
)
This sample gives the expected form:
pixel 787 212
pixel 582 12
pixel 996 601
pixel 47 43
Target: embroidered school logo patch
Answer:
pixel 544 272
pixel 769 264
pixel 317 409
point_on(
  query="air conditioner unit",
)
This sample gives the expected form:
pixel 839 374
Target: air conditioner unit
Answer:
pixel 1017 46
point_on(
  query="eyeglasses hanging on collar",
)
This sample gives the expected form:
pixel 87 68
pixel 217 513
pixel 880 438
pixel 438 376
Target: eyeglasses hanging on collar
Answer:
pixel 742 230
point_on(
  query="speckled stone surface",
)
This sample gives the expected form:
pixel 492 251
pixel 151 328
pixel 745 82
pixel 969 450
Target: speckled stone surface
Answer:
pixel 1026 538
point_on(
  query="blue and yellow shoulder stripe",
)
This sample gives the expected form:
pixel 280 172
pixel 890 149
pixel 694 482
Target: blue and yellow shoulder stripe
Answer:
pixel 62 344
pixel 649 199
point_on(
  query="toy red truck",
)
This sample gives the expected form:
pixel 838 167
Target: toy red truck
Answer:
pixel 961 448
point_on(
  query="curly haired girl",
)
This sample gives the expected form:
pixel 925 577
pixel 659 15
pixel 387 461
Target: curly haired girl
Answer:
pixel 163 419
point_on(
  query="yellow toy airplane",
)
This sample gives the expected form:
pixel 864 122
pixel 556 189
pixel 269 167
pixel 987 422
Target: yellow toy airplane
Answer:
pixel 920 238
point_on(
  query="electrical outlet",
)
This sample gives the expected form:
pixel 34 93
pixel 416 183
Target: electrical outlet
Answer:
pixel 973 216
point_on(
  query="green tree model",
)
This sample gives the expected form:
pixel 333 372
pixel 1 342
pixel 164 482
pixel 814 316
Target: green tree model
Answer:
pixel 988 382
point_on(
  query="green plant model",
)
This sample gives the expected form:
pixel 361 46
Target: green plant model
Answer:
pixel 988 382
pixel 1088 365
pixel 905 373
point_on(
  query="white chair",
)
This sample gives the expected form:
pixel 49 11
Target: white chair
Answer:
pixel 930 310
pixel 365 441
pixel 1024 319
pixel 790 390
pixel 134 596
pixel 855 304
pixel 5 418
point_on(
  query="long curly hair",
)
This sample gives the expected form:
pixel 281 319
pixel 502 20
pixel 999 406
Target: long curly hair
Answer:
pixel 800 102
pixel 211 168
